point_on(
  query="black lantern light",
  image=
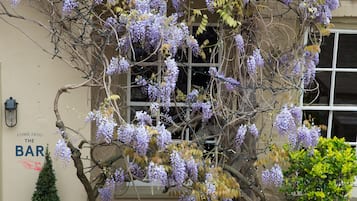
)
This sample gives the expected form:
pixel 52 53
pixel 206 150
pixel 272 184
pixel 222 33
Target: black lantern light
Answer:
pixel 10 112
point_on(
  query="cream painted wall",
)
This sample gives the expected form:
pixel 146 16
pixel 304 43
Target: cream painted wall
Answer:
pixel 32 78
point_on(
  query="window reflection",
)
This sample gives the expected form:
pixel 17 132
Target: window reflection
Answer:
pixel 345 92
pixel 345 125
pixel 319 92
pixel 347 54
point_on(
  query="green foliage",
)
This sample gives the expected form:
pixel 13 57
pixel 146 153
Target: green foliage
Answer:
pixel 325 173
pixel 46 184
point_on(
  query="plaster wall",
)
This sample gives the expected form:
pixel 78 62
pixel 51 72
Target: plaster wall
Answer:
pixel 30 76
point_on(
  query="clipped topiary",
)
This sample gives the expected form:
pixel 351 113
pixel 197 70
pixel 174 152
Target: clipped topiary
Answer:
pixel 325 173
pixel 46 184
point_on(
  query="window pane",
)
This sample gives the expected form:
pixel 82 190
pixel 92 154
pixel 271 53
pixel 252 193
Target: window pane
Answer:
pixel 200 77
pixel 207 40
pixel 318 118
pixel 345 125
pixel 347 51
pixel 177 115
pixel 345 92
pixel 326 52
pixel 318 93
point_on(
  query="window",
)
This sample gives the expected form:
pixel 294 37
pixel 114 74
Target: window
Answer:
pixel 193 75
pixel 332 100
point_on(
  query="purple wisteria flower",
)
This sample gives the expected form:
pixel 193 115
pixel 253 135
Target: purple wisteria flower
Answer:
pixel 285 122
pixel 176 4
pixel 192 96
pixel 251 65
pixel 211 188
pixel 111 23
pixel 253 130
pixel 192 169
pixel 136 170
pixel 310 62
pixel 206 110
pixel 193 44
pixel 15 2
pixel 157 173
pixel 296 112
pixel 239 43
pixel 154 108
pixel 119 176
pixel 117 66
pixel 105 128
pixel 153 92
pixel 139 80
pixel 187 198
pixel 332 4
pixel 240 136
pixel 210 5
pixel 69 5
pixel 274 176
pixel 62 151
pixel 306 137
pixel 97 2
pixel 126 133
pixel 315 133
pixel 303 137
pixel 143 118
pixel 297 68
pixel 178 168
pixel 142 139
pixel 287 2
pixel 160 5
pixel 259 61
pixel 164 137
pixel 142 6
pixel 106 193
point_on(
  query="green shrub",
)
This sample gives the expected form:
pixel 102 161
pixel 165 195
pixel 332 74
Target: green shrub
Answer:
pixel 324 173
pixel 46 184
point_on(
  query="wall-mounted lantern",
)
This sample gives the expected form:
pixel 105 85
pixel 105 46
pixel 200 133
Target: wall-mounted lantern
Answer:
pixel 10 112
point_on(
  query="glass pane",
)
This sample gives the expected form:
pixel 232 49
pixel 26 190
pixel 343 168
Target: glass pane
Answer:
pixel 318 93
pixel 138 93
pixel 347 51
pixel 181 56
pixel 200 77
pixel 326 52
pixel 207 40
pixel 177 115
pixel 345 92
pixel 318 118
pixel 345 125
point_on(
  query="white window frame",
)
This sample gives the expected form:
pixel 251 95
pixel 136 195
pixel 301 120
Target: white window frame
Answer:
pixel 331 107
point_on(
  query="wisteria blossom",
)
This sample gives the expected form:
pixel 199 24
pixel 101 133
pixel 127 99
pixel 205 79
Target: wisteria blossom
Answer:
pixel 178 165
pixel 118 66
pixel 251 65
pixel 240 136
pixel 62 151
pixel 273 176
pixel 157 173
pixel 205 109
pixel 164 137
pixel 239 41
pixel 253 130
pixel 285 122
pixel 192 169
pixel 69 5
